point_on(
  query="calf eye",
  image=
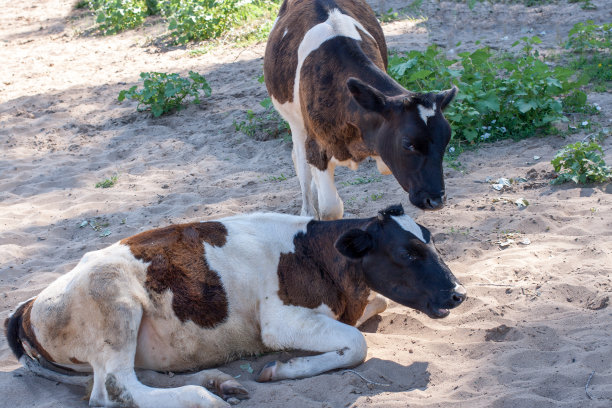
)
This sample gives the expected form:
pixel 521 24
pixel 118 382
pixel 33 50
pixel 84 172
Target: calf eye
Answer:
pixel 408 146
pixel 407 255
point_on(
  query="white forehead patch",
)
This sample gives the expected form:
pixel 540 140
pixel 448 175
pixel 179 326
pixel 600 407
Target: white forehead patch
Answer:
pixel 426 113
pixel 408 224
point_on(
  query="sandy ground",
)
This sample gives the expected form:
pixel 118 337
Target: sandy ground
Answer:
pixel 537 323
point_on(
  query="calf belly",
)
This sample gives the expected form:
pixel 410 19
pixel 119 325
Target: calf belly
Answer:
pixel 183 346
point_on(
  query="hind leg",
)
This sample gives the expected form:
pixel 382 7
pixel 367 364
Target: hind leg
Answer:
pixel 304 173
pixel 115 382
pixel 224 385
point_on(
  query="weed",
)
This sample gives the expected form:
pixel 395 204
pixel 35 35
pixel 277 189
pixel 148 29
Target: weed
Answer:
pixel 107 183
pixel 585 4
pixel 361 180
pixel 163 93
pixel 113 16
pixel 375 197
pixel 388 16
pixel 205 19
pixel 591 46
pixel 282 177
pixel 580 162
pixel 82 4
pixel 499 96
pixel 264 125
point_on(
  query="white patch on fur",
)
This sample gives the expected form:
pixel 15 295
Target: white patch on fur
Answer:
pixel 285 33
pixel 329 202
pixel 460 289
pixel 337 25
pixel 426 113
pixel 353 165
pixel 408 224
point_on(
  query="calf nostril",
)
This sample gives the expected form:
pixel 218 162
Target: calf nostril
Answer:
pixel 458 298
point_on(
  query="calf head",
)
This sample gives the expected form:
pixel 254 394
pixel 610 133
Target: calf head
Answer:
pixel 400 262
pixel 410 134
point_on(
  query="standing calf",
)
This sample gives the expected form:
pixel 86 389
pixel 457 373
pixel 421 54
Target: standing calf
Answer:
pixel 325 69
pixel 194 296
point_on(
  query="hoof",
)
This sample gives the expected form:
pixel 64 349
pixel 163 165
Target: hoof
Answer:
pixel 232 389
pixel 267 373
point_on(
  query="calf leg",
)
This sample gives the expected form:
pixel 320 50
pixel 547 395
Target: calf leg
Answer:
pixel 341 346
pixel 376 304
pixel 330 206
pixel 224 385
pixel 302 169
pixel 115 382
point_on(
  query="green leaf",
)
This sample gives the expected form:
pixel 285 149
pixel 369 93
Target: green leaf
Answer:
pixel 525 106
pixel 424 73
pixel 157 110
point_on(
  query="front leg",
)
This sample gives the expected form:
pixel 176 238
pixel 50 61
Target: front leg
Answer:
pixel 224 385
pixel 330 206
pixel 376 304
pixel 341 345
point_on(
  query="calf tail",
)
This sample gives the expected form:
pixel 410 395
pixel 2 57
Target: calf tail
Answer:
pixel 12 327
pixel 14 331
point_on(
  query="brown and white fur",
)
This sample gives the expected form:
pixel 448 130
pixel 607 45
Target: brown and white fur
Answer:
pixel 325 70
pixel 197 295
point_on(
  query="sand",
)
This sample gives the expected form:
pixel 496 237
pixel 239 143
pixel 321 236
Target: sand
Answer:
pixel 537 325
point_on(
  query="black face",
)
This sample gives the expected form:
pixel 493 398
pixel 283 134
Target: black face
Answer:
pixel 414 152
pixel 398 265
pixel 411 139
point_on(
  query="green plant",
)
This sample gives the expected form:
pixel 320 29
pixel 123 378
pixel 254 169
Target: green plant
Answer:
pixel 388 16
pixel 107 183
pixel 580 162
pixel 282 177
pixel 588 36
pixel 586 4
pixel 163 93
pixel 500 96
pixel 361 180
pixel 264 125
pixel 82 4
pixel 591 47
pixel 205 19
pixel 113 16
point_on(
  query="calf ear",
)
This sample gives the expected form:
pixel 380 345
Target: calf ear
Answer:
pixel 445 97
pixel 367 97
pixel 354 244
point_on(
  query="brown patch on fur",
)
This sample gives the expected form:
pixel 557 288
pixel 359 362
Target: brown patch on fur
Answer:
pixel 118 393
pixel 26 332
pixel 178 263
pixel 76 360
pixel 315 273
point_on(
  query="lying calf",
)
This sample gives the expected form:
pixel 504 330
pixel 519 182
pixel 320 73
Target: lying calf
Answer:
pixel 197 295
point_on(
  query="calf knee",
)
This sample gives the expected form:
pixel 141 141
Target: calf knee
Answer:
pixel 330 208
pixel 358 350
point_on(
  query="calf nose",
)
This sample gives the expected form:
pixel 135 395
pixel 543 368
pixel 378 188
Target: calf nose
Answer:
pixel 433 203
pixel 458 295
